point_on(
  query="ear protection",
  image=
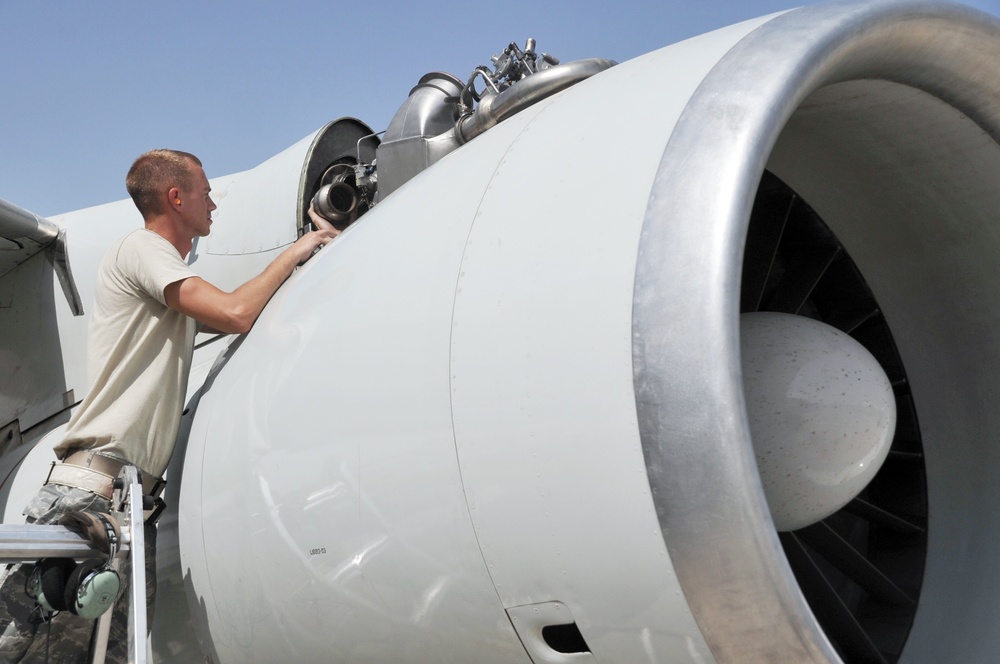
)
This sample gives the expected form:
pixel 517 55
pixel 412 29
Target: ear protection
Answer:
pixel 46 584
pixel 87 590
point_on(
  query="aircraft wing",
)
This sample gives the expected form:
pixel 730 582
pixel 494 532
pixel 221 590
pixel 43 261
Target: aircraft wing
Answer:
pixel 22 235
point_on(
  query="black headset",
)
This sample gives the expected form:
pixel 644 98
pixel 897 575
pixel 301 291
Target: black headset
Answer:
pixel 87 590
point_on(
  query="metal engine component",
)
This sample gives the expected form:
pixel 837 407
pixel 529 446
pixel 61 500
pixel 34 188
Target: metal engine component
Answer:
pixel 338 177
pixel 495 108
pixel 337 198
pixel 411 141
pixel 442 113
pixel 336 203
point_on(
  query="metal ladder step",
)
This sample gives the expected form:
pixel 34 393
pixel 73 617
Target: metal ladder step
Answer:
pixel 23 543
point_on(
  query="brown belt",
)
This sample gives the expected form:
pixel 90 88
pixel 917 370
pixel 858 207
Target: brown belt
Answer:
pixel 94 472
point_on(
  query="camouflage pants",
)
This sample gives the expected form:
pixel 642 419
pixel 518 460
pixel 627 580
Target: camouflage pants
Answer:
pixel 65 639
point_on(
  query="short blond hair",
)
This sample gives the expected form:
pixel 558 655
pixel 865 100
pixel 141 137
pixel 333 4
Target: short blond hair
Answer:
pixel 155 172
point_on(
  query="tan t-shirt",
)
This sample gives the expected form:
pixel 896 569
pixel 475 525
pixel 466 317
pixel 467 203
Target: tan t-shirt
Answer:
pixel 138 356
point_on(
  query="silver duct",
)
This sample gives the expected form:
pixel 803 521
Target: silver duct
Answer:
pixel 431 123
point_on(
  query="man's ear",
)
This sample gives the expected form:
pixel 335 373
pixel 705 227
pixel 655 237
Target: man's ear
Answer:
pixel 174 196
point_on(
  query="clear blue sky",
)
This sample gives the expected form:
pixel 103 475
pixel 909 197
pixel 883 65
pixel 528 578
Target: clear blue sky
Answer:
pixel 87 85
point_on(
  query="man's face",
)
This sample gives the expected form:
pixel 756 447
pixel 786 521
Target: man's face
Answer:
pixel 198 204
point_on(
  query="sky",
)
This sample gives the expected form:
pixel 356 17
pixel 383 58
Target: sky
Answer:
pixel 88 85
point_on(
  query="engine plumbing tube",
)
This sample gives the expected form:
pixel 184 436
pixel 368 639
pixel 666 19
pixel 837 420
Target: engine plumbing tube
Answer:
pixel 493 109
pixel 336 202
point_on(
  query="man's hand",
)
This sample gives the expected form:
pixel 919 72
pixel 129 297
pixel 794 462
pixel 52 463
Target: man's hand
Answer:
pixel 308 244
pixel 236 312
pixel 313 240
pixel 319 222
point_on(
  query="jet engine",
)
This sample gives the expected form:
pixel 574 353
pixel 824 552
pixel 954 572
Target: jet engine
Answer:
pixel 512 426
pixel 687 359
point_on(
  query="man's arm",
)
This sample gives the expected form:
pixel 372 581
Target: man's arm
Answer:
pixel 236 312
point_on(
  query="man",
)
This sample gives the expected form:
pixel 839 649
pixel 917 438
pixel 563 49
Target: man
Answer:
pixel 147 304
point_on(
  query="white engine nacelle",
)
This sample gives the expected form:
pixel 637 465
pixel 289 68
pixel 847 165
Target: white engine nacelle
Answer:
pixel 466 424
